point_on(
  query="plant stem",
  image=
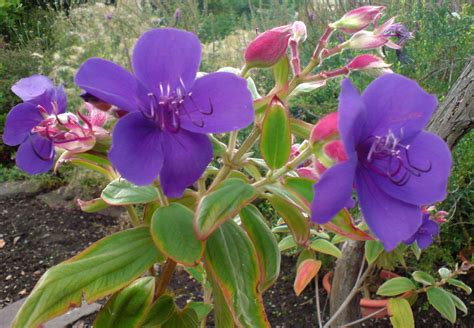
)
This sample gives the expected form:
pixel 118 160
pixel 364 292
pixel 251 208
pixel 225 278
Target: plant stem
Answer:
pixel 352 293
pixel 161 195
pixel 318 306
pixel 373 314
pixel 248 143
pixel 133 215
pixel 165 277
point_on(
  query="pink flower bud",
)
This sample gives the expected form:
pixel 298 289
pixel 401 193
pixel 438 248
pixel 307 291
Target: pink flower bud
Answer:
pixel 299 31
pixel 365 40
pixel 325 129
pixel 268 48
pixel 358 19
pixel 366 61
pixel 335 150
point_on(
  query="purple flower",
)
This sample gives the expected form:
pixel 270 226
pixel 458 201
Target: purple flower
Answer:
pixel 30 123
pixel 424 235
pixel 170 112
pixel 395 166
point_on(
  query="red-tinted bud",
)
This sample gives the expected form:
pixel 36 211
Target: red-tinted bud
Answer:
pixel 335 150
pixel 369 63
pixel 325 129
pixel 358 19
pixel 268 48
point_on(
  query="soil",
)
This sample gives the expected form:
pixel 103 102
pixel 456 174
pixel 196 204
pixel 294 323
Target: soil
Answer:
pixel 37 237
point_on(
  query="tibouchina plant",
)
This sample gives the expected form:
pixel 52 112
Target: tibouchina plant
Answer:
pixel 166 139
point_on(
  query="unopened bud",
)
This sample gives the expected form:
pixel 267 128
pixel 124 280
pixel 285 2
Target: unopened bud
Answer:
pixel 335 150
pixel 299 31
pixel 358 19
pixel 365 40
pixel 268 48
pixel 366 61
pixel 325 129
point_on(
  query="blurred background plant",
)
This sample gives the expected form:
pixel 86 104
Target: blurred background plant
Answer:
pixel 53 37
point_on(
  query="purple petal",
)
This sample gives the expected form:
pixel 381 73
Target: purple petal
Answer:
pixel 136 149
pixel 166 56
pixel 21 119
pixel 396 103
pixel 112 84
pixel 35 155
pixel 431 228
pixel 424 241
pixel 411 240
pixel 390 219
pixel 32 87
pixel 332 192
pixel 220 102
pixel 351 117
pixel 61 99
pixel 187 155
pixel 427 151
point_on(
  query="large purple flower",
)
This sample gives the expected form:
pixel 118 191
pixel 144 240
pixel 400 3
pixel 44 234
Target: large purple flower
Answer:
pixel 29 124
pixel 395 166
pixel 170 111
pixel 424 235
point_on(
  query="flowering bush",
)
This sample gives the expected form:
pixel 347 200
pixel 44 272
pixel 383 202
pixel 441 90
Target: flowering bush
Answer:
pixel 166 151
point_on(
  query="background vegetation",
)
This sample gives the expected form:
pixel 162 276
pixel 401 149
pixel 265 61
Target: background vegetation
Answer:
pixel 55 37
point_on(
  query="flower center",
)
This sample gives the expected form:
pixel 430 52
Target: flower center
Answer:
pixel 388 157
pixel 166 109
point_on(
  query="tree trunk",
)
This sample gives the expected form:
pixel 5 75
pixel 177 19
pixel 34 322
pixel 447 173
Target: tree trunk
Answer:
pixel 452 120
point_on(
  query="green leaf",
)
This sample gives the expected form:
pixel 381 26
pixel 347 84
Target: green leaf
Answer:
pixel 102 269
pixel 221 204
pixel 232 263
pixel 201 309
pixel 442 302
pixel 275 141
pixel 307 87
pixel 281 72
pixel 293 217
pixel 458 303
pixel 128 307
pixel 396 286
pixel 325 247
pixel 343 225
pixel 187 318
pixel 265 244
pixel 173 234
pixel 373 248
pixel 300 128
pixel 218 147
pixel 93 205
pixel 401 315
pixel 423 277
pixel 287 243
pixel 281 229
pixel 444 273
pixel 122 192
pixel 159 312
pixel 459 284
pixel 301 186
pixel 222 315
pixel 305 273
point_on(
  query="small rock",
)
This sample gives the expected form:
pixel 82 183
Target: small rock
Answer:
pixel 22 292
pixel 2 243
pixel 8 277
pixel 16 239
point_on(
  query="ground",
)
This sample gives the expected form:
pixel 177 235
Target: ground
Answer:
pixel 37 237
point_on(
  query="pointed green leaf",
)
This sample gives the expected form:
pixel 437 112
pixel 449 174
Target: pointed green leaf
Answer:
pixel 287 243
pixel 301 186
pixel 281 71
pixel 93 205
pixel 173 234
pixel 128 307
pixel 325 247
pixel 222 203
pixel 232 263
pixel 423 277
pixel 300 128
pixel 458 303
pixel 275 142
pixel 201 309
pixel 442 302
pixel 459 284
pixel 159 312
pixel 222 315
pixel 343 225
pixel 281 229
pixel 396 286
pixel 298 224
pixel 186 318
pixel 401 315
pixel 373 248
pixel 122 192
pixel 102 269
pixel 265 244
